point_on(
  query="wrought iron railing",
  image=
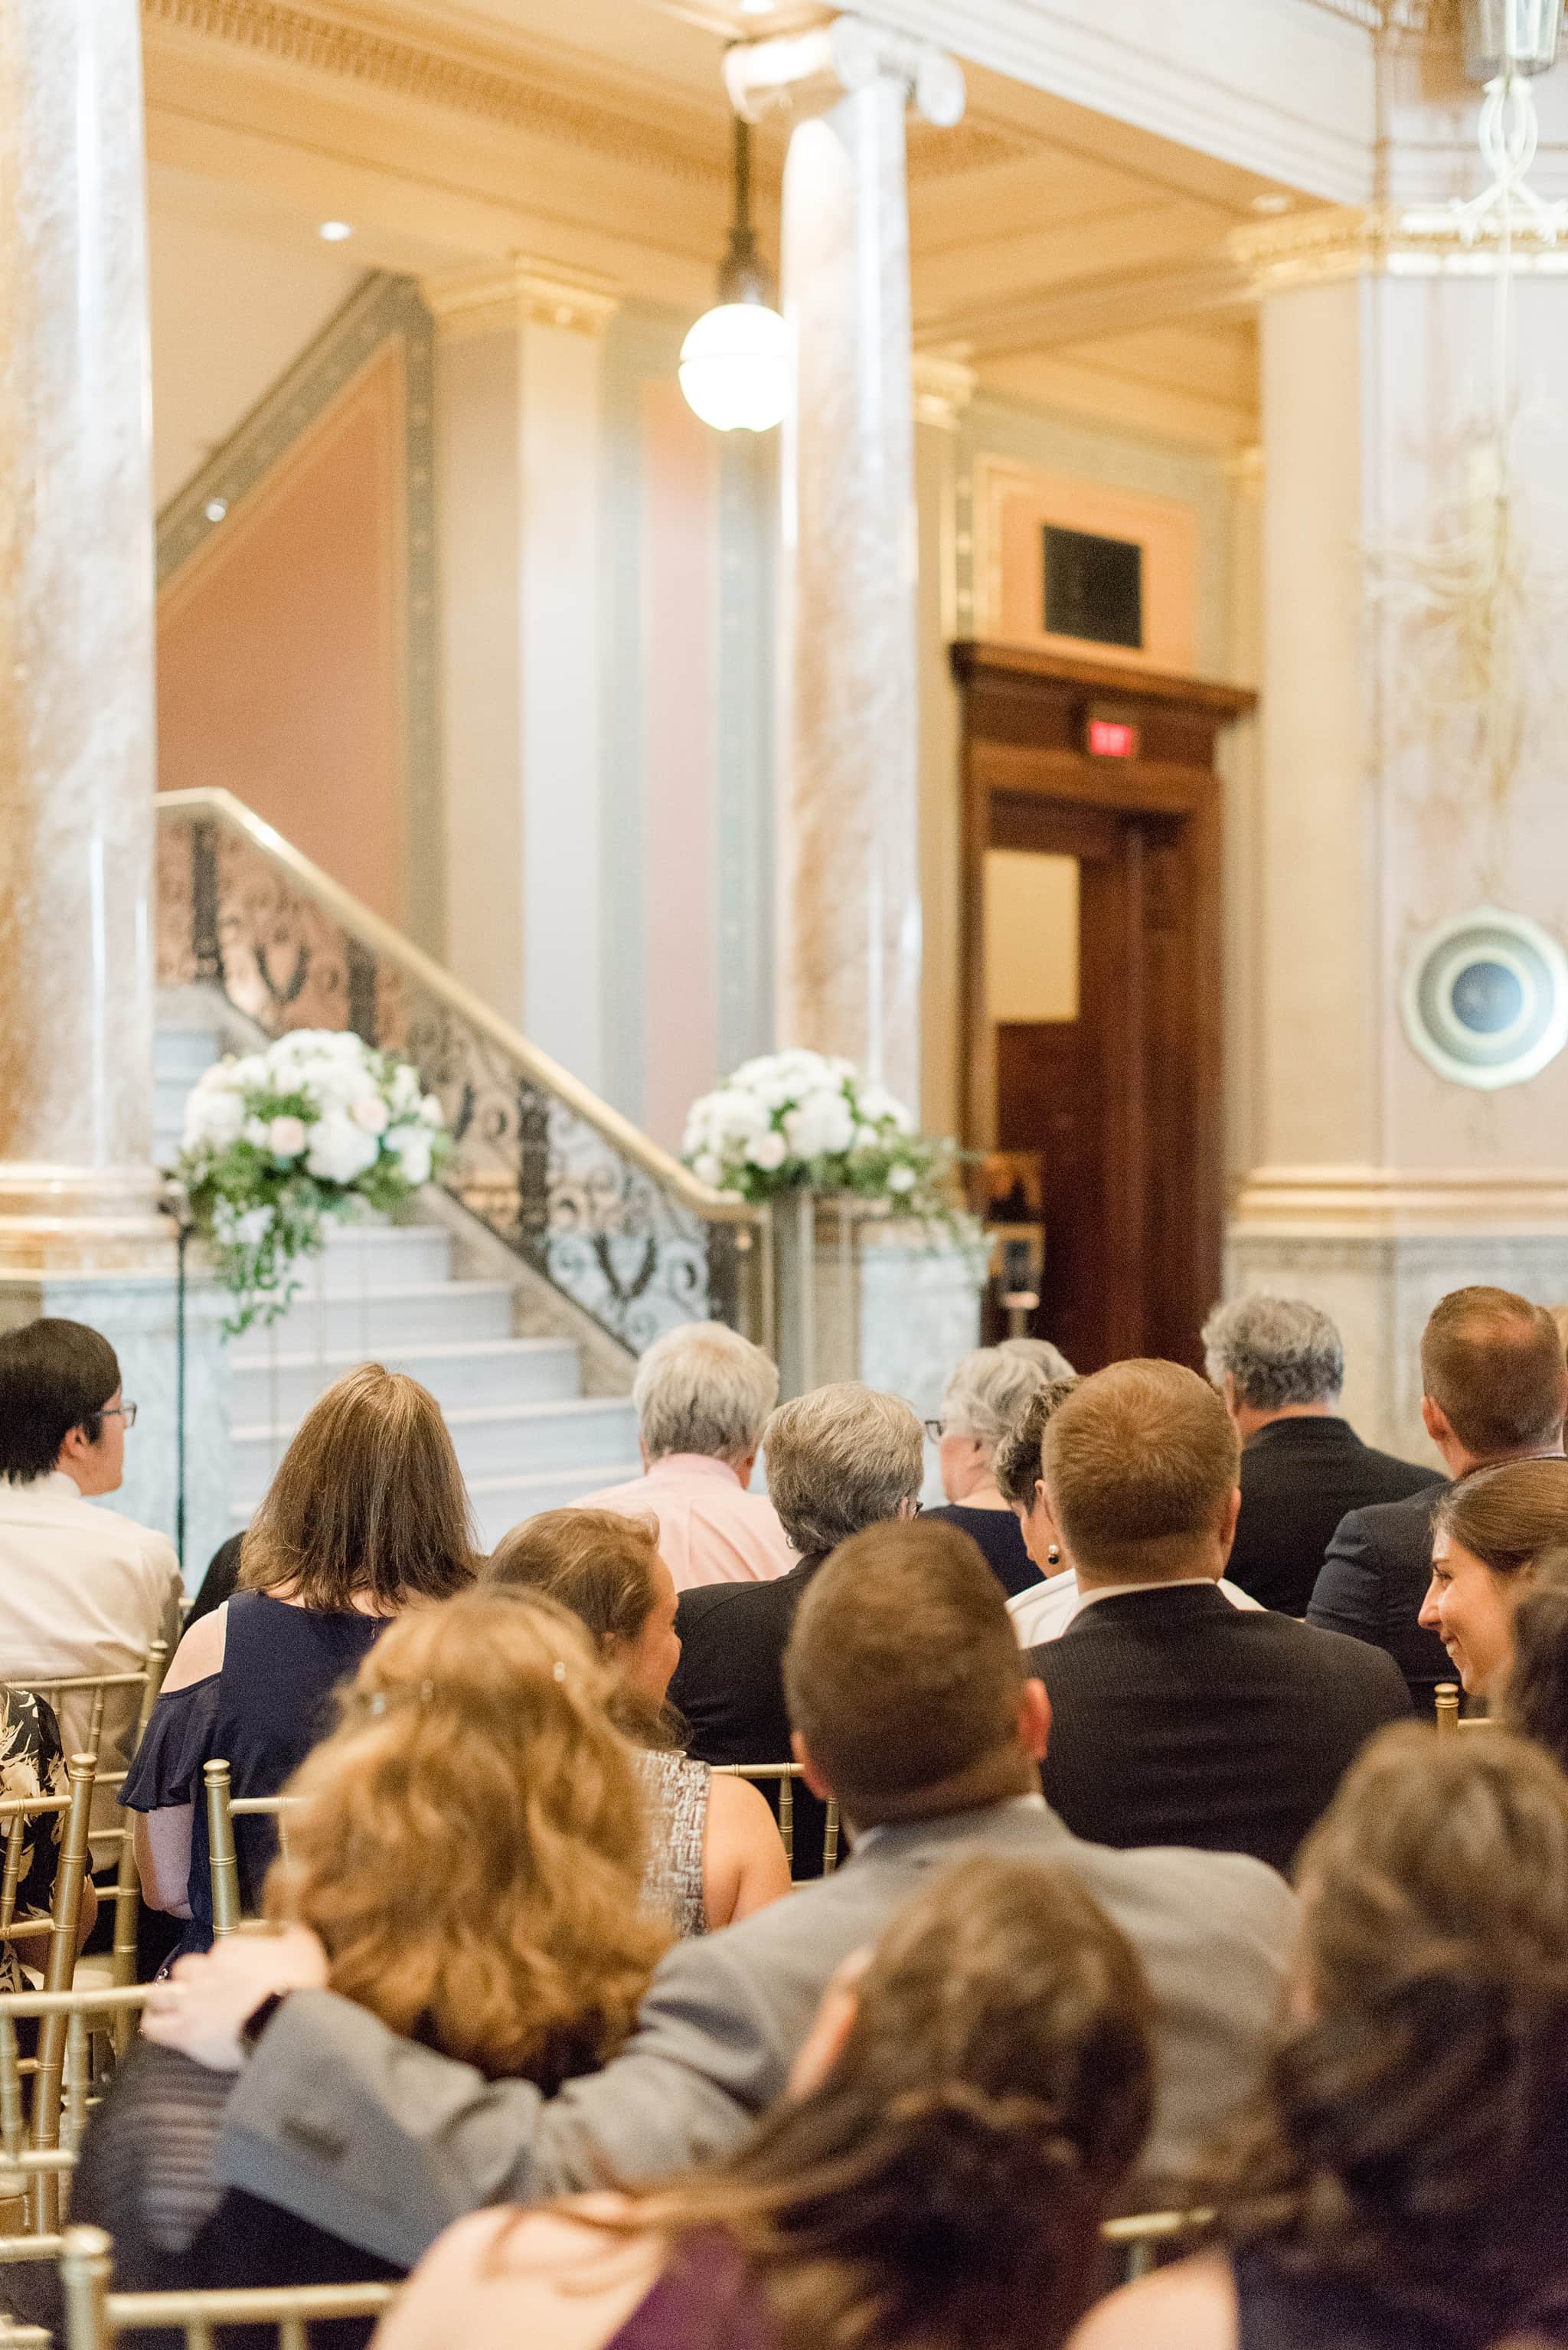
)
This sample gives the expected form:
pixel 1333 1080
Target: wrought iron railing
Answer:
pixel 615 1223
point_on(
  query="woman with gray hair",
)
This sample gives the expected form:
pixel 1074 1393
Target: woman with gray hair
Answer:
pixel 981 1403
pixel 839 1459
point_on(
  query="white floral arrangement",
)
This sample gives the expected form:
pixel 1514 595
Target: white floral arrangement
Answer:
pixel 315 1126
pixel 797 1118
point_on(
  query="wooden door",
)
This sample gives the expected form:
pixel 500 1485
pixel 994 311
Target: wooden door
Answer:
pixel 1121 1101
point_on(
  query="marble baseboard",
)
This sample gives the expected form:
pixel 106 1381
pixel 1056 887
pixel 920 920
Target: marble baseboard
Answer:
pixel 1380 1291
pixel 137 1314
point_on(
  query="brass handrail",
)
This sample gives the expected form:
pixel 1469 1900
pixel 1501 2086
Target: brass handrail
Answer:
pixel 379 936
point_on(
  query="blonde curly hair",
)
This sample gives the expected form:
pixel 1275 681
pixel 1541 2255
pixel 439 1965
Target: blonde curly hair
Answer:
pixel 471 1844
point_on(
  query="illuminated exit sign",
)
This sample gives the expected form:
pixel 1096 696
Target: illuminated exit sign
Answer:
pixel 1112 738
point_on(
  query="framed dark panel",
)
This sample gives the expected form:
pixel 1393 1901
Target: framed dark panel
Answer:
pixel 1093 588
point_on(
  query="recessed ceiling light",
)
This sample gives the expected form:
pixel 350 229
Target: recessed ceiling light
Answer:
pixel 1273 200
pixel 756 7
pixel 215 509
pixel 334 232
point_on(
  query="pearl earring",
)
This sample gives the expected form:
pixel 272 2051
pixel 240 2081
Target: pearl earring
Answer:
pixel 1053 1556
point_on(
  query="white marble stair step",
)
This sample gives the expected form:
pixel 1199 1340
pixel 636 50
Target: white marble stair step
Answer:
pixel 502 1502
pixel 376 1256
pixel 422 1313
pixel 283 1386
pixel 594 1435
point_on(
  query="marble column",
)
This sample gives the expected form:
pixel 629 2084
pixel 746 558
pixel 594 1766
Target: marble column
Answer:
pixel 76 1186
pixel 849 921
pixel 1375 1183
pixel 519 357
pixel 943 389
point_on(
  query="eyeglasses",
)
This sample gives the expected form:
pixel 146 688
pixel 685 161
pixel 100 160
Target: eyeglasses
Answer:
pixel 934 1430
pixel 126 1411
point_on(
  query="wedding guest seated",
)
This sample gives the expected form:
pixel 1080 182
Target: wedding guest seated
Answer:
pixel 1495 1387
pixel 980 1403
pixel 32 1762
pixel 469 1854
pixel 715 1853
pixel 1044 1612
pixel 1050 1361
pixel 702 1393
pixel 910 1704
pixel 966 2107
pixel 1534 1699
pixel 839 1459
pixel 365 1515
pixel 1175 1718
pixel 1401 2187
pixel 83 1591
pixel 1280 1365
pixel 1486 1537
pixel 219 1581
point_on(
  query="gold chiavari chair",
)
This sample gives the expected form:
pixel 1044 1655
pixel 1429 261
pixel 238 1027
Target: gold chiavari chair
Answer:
pixel 127 1894
pixel 1140 2238
pixel 223 1808
pixel 39 2146
pixel 95 2316
pixel 1447 1698
pixel 63 1930
pixel 784 1774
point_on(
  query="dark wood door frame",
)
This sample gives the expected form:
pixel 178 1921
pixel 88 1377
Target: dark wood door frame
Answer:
pixel 1155 930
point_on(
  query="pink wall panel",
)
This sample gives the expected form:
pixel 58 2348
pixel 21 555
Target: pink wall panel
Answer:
pixel 280 648
pixel 679 589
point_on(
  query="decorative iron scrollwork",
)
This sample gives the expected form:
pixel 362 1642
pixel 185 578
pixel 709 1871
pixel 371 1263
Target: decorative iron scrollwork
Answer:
pixel 595 1222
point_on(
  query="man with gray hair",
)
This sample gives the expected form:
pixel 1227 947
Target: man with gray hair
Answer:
pixel 1280 1365
pixel 839 1459
pixel 702 1393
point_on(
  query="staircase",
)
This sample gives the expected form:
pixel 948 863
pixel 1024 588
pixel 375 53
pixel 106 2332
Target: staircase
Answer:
pixel 527 1437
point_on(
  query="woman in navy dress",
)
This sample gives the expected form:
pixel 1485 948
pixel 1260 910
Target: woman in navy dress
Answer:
pixel 367 1515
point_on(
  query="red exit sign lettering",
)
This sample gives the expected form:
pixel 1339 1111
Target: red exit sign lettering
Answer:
pixel 1112 738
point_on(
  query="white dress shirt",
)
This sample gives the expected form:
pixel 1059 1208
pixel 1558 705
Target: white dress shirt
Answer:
pixel 1045 1611
pixel 82 1590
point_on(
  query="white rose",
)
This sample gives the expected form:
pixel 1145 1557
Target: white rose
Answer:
pixel 250 1071
pixel 405 1087
pixel 256 1132
pixel 900 1178
pixel 214 1118
pixel 821 1126
pixel 340 1150
pixel 882 1109
pixel 431 1112
pixel 411 1145
pixel 287 1137
pixel 737 1116
pixel 707 1169
pixel 769 1151
pixel 370 1112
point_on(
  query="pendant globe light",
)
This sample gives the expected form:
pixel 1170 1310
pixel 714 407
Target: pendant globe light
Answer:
pixel 735 362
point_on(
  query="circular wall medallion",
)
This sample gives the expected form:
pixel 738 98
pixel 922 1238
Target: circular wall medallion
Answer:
pixel 1486 998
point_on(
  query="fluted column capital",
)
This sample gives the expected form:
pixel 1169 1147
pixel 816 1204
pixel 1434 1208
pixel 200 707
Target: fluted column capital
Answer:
pixel 1338 241
pixel 809 72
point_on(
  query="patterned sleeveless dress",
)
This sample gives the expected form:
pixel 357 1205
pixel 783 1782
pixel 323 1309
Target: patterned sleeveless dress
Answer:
pixel 676 1792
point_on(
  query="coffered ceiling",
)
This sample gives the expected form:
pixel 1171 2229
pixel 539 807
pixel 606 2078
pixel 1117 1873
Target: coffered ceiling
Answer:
pixel 1074 261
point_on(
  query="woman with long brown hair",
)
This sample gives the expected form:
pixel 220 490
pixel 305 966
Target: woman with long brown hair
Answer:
pixel 367 1515
pixel 970 2100
pixel 714 1853
pixel 1401 2187
pixel 1487 1534
pixel 469 1849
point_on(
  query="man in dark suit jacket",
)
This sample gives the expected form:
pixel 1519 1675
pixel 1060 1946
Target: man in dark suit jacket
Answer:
pixel 1175 1718
pixel 1494 1389
pixel 838 1459
pixel 1280 1365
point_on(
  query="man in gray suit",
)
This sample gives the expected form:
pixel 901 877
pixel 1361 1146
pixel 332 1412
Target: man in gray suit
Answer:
pixel 905 1686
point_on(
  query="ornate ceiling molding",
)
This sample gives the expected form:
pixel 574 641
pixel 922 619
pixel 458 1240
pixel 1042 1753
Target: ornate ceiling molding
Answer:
pixel 1397 241
pixel 508 88
pixel 521 291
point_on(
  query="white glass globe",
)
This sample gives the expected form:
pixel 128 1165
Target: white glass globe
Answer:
pixel 734 368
